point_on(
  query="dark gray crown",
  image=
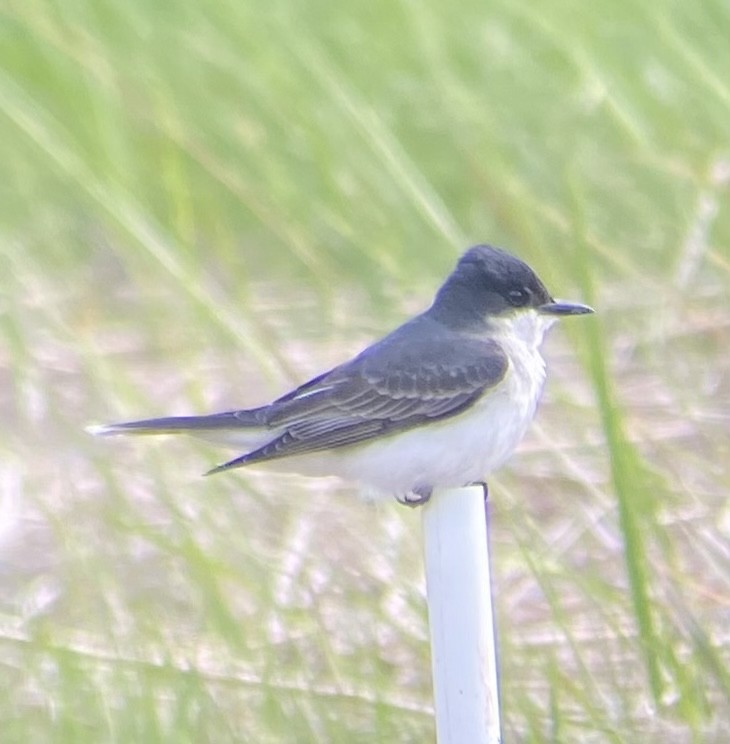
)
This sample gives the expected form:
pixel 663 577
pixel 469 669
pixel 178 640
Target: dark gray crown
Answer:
pixel 488 281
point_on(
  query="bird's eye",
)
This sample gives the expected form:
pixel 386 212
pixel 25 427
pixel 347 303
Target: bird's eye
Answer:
pixel 518 297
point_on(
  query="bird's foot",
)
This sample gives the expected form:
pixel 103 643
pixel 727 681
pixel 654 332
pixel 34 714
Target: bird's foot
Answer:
pixel 484 487
pixel 416 497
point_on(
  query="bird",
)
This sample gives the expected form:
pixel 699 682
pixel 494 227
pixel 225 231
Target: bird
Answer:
pixel 440 402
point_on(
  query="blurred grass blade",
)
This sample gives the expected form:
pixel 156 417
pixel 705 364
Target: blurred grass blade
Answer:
pixel 120 206
pixel 626 477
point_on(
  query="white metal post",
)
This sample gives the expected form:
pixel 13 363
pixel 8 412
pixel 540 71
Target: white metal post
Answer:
pixel 461 619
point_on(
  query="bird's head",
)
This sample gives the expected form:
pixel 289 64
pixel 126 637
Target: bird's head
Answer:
pixel 493 287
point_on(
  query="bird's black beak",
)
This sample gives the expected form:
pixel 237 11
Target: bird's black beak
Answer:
pixel 560 307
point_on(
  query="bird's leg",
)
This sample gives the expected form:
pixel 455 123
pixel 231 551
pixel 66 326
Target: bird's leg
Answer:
pixel 485 488
pixel 483 485
pixel 417 497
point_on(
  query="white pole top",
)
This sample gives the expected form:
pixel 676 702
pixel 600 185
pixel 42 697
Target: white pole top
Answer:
pixel 463 653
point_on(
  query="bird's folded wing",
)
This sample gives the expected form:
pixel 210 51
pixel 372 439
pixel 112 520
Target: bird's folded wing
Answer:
pixel 379 393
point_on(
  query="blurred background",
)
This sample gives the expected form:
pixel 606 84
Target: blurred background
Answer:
pixel 204 203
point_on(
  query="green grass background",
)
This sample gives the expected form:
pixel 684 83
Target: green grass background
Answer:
pixel 203 202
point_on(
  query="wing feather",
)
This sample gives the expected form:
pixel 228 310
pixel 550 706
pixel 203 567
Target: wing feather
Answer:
pixel 391 387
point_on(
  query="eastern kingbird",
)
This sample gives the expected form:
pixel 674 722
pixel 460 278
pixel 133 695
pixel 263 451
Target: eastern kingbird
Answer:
pixel 440 402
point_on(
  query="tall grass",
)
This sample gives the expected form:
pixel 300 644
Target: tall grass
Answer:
pixel 204 202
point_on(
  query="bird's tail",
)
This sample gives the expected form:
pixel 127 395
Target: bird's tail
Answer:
pixel 201 425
